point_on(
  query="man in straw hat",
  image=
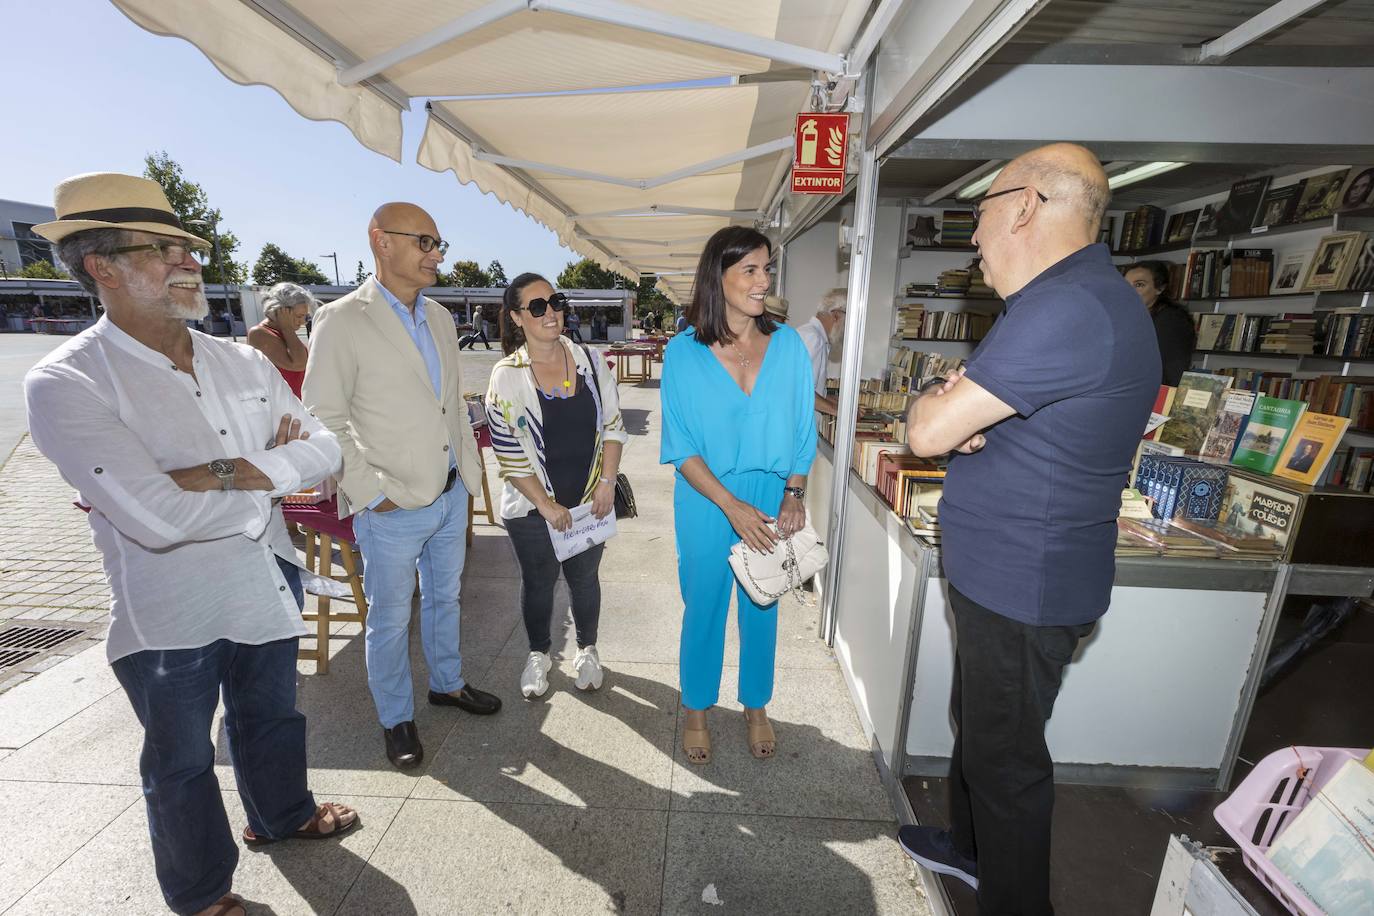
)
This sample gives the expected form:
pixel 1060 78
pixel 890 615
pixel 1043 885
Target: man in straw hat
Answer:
pixel 180 445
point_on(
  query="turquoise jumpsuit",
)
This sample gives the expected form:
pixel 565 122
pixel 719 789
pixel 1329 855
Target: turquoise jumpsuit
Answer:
pixel 752 444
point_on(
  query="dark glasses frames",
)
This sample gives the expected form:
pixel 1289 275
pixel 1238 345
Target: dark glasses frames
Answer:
pixel 978 204
pixel 427 242
pixel 537 307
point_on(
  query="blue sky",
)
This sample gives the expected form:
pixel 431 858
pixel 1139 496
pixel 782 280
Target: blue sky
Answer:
pixel 89 91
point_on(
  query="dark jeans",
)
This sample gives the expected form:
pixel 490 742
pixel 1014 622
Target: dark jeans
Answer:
pixel 539 574
pixel 174 693
pixel 1001 780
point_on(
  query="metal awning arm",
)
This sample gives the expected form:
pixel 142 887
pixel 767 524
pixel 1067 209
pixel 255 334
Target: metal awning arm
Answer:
pixel 658 210
pixel 1255 28
pixel 471 22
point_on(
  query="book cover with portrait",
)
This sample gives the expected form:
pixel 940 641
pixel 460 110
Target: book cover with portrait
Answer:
pixel 1310 447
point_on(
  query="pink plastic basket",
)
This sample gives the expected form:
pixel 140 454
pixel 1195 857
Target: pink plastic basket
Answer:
pixel 1267 801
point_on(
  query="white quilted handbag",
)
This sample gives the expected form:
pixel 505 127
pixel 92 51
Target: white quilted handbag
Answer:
pixel 769 576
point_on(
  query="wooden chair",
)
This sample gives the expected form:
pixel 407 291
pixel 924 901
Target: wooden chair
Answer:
pixel 483 434
pixel 323 530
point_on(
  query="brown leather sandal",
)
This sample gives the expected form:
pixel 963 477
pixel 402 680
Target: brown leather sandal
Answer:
pixel 228 905
pixel 763 744
pixel 696 740
pixel 331 820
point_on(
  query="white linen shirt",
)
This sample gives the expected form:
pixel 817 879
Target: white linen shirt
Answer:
pixel 185 569
pixel 818 345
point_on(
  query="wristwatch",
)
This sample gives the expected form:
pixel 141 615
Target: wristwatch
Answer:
pixel 223 468
pixel 799 492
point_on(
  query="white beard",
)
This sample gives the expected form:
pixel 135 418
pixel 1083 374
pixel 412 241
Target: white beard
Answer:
pixel 159 297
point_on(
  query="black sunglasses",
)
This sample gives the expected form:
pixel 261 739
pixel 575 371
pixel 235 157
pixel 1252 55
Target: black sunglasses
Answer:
pixel 537 307
pixel 978 204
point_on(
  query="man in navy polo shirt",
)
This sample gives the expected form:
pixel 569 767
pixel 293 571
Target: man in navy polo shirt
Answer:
pixel 1046 417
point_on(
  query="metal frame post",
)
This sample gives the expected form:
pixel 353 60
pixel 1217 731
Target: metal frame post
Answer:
pixel 860 272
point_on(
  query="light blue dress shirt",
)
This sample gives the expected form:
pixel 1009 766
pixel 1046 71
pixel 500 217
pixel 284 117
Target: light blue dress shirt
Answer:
pixel 416 323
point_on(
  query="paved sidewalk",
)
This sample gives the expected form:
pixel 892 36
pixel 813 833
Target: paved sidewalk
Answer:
pixel 575 804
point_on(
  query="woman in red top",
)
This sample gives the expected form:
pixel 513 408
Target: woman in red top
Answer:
pixel 285 308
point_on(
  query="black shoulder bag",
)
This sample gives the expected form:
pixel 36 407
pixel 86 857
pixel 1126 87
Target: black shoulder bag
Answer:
pixel 624 494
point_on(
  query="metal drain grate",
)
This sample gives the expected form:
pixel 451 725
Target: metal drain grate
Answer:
pixel 38 638
pixel 12 657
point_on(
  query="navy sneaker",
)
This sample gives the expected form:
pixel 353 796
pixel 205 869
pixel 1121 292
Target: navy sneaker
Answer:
pixel 934 850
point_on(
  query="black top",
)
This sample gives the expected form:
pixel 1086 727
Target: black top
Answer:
pixel 1177 339
pixel 569 443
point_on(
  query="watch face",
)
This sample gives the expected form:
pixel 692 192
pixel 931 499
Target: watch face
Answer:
pixel 222 467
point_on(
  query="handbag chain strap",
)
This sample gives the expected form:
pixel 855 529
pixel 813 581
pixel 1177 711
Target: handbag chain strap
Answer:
pixel 790 568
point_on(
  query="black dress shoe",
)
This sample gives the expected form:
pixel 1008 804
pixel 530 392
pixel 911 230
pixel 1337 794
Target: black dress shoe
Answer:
pixel 403 745
pixel 469 699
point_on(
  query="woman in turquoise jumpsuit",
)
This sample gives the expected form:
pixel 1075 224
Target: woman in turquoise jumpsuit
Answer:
pixel 739 425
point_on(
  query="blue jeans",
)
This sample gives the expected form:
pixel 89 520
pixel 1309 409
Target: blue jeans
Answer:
pixel 174 693
pixel 394 545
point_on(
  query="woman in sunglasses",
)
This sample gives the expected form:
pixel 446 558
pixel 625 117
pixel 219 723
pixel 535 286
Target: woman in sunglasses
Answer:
pixel 558 435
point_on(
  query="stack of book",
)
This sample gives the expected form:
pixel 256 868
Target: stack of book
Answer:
pixel 909 318
pixel 921 289
pixel 1249 273
pixel 956 229
pixel 909 369
pixel 976 287
pixel 1291 333
pixel 953 282
pixel 914 322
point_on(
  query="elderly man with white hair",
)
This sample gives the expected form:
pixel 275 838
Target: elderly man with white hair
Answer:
pixel 819 334
pixel 285 309
pixel 180 445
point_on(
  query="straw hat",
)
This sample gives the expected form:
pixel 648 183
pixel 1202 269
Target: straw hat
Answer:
pixel 775 306
pixel 108 200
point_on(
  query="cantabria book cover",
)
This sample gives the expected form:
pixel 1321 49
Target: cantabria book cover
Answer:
pixel 1310 447
pixel 1221 438
pixel 1266 433
pixel 1195 407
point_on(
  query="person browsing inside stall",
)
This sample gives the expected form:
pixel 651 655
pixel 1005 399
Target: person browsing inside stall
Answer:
pixel 1174 329
pixel 558 434
pixel 1045 419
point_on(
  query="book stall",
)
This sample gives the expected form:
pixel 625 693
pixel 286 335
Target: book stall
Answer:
pixel 1247 514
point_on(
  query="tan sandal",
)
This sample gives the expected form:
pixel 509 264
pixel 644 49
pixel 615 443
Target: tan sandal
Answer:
pixel 228 905
pixel 696 740
pixel 763 744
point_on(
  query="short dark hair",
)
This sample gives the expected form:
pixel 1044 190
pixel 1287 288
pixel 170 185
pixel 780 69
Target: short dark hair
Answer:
pixel 1159 273
pixel 512 338
pixel 706 311
pixel 72 251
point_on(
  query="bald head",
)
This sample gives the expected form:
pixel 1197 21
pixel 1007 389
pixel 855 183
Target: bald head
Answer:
pixel 399 216
pixel 1067 174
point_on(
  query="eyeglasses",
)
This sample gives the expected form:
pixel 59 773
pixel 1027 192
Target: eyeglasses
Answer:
pixel 978 204
pixel 427 242
pixel 537 307
pixel 171 252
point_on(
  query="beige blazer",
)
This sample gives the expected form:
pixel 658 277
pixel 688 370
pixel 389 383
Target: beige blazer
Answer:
pixel 367 383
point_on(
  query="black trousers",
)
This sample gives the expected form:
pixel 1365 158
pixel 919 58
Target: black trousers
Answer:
pixel 539 568
pixel 1001 780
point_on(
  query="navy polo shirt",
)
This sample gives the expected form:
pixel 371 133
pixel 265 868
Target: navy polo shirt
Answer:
pixel 1028 523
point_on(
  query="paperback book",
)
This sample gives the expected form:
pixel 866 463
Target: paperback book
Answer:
pixel 1195 407
pixel 1266 433
pixel 1310 446
pixel 1221 438
pixel 1238 214
pixel 1326 850
pixel 1259 509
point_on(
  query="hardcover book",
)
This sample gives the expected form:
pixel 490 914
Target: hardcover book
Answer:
pixel 1266 433
pixel 1358 191
pixel 1259 509
pixel 1221 438
pixel 1278 206
pixel 1326 850
pixel 1195 407
pixel 1319 196
pixel 1310 447
pixel 1291 271
pixel 1163 401
pixel 1238 213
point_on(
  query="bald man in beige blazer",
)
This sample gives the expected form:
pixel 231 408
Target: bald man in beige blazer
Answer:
pixel 385 376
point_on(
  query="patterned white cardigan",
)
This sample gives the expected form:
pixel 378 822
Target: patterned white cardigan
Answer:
pixel 517 422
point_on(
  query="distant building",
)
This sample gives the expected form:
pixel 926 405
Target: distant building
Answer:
pixel 19 247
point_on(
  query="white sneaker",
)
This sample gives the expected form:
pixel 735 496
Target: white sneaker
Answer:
pixel 534 680
pixel 588 668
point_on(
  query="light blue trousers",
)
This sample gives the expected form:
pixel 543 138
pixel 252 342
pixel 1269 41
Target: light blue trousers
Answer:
pixel 704 539
pixel 394 545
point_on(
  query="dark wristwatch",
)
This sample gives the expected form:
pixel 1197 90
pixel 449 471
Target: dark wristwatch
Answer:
pixel 799 492
pixel 223 468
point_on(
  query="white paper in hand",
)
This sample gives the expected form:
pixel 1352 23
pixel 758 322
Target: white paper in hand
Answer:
pixel 587 531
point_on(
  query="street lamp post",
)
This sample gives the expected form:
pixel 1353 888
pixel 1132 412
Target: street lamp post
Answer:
pixel 335 256
pixel 219 262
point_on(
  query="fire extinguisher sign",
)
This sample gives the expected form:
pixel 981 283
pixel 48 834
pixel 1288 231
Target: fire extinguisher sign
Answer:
pixel 818 158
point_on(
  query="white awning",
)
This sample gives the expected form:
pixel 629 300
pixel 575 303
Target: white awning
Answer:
pixel 613 174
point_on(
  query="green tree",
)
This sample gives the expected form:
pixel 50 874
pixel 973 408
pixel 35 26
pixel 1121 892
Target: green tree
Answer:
pixel 189 201
pixel 467 273
pixel 496 274
pixel 362 274
pixel 42 270
pixel 275 266
pixel 587 274
pixel 649 298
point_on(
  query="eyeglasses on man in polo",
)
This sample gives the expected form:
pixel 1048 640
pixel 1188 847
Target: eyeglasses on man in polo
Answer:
pixel 978 204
